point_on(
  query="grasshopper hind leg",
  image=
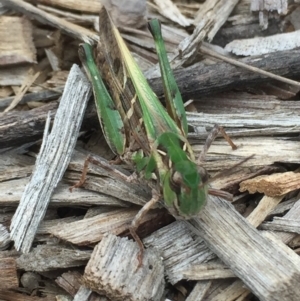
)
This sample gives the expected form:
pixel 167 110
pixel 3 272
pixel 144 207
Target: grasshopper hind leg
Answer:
pixel 91 159
pixel 137 220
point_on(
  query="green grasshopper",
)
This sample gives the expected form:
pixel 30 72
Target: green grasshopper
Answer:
pixel 138 128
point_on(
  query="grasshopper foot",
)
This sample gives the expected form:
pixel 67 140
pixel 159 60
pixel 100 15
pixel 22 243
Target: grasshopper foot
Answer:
pixel 140 243
pixel 137 220
pixel 83 175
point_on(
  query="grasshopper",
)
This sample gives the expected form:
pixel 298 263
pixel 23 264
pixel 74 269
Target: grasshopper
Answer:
pixel 138 128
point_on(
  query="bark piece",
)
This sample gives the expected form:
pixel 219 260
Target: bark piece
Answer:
pixel 292 214
pixel 8 275
pixel 224 76
pixel 199 291
pixel 16 41
pixel 91 230
pixel 90 6
pixel 270 5
pixel 11 193
pixel 227 233
pixel 70 282
pixel 43 95
pixel 52 160
pixel 210 17
pixel 180 249
pixel 4 238
pixel 273 185
pixel 46 258
pixel 282 224
pixel 233 292
pixel 263 209
pixel 113 270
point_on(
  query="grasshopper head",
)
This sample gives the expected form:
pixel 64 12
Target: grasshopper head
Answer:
pixel 190 199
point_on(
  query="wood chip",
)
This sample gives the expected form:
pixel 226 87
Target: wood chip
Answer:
pixel 273 185
pixel 208 271
pixel 46 258
pixel 16 41
pixel 91 230
pixel 263 209
pixel 4 238
pixel 8 275
pixel 52 160
pixel 127 13
pixel 29 80
pixel 226 232
pixel 270 5
pixel 113 270
pixel 264 45
pixel 90 6
pixel 199 291
pixel 169 9
pixel 70 282
pixel 282 224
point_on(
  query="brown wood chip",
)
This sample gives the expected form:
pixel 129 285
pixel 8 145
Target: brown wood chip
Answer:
pixel 272 185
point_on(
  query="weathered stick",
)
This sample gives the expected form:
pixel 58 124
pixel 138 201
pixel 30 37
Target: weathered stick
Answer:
pixel 271 270
pixel 52 160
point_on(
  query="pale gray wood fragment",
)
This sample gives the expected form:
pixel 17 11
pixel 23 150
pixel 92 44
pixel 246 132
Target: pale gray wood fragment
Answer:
pixel 264 45
pixel 282 224
pixel 4 238
pixel 46 258
pixel 283 207
pixel 270 5
pixel 11 193
pixel 91 230
pixel 237 291
pixel 199 291
pixel 52 161
pixel 82 294
pixel 227 233
pixel 210 17
pixel 180 248
pixel 107 182
pixel 293 213
pixel 113 271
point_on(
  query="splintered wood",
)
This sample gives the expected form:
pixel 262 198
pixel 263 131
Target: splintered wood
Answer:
pixel 113 270
pixel 272 185
pixel 52 161
pixel 16 41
